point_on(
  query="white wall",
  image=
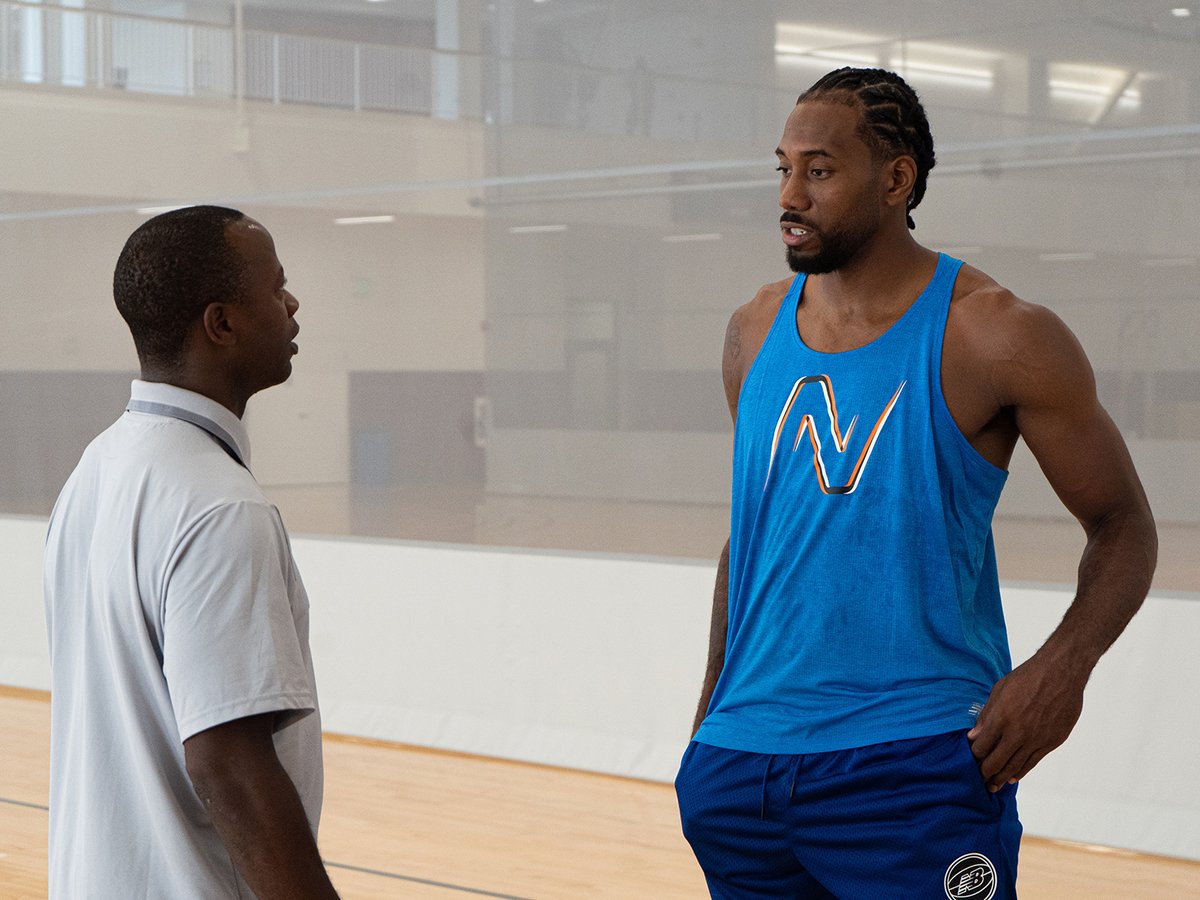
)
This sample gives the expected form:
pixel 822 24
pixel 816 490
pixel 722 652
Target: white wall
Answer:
pixel 595 663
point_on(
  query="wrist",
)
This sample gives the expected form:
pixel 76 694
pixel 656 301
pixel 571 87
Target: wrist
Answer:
pixel 1070 659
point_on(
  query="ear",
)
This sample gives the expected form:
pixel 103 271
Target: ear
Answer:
pixel 216 325
pixel 899 178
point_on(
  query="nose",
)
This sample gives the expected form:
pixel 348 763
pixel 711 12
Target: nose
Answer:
pixel 793 193
pixel 291 304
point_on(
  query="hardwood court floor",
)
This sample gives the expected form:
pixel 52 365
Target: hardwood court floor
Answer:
pixel 401 822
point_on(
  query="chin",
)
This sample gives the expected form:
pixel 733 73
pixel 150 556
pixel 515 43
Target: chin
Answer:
pixel 818 263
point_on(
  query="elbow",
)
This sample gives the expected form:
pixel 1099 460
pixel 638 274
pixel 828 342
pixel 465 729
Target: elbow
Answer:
pixel 1129 531
pixel 209 774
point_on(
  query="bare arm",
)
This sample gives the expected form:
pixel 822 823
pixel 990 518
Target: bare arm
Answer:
pixel 1050 388
pixel 743 337
pixel 716 637
pixel 255 809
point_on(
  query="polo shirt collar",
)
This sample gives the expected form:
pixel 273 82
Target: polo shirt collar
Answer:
pixel 158 398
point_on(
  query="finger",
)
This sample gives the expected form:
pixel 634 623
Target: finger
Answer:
pixel 996 766
pixel 1034 758
pixel 1010 771
pixel 983 738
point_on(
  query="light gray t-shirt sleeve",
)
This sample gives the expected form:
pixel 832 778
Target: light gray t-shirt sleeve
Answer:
pixel 231 612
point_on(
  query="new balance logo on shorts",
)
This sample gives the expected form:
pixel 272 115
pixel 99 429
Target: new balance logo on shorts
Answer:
pixel 971 877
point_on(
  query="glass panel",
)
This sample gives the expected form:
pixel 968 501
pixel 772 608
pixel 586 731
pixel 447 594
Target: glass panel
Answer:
pixel 517 237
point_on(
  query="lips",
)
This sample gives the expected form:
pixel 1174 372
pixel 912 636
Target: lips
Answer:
pixel 795 234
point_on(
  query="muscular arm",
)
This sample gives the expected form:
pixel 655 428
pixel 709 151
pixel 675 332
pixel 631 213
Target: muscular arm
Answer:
pixel 1047 383
pixel 256 810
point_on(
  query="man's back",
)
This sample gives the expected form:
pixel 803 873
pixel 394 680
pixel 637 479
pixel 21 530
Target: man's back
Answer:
pixel 172 606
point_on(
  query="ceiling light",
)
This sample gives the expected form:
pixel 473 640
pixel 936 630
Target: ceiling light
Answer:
pixel 1080 83
pixel 794 38
pixel 1066 257
pixel 364 220
pixel 793 41
pixel 536 229
pixel 961 66
pixel 1181 12
pixel 156 210
pixel 1170 262
pixel 690 238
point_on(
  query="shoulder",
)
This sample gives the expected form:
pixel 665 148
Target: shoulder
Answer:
pixel 750 322
pixel 246 521
pixel 744 336
pixel 1013 343
pixel 765 303
pixel 981 304
pixel 233 544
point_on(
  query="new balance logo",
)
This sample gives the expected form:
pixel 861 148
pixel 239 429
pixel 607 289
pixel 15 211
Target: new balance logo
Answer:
pixel 971 877
pixel 840 442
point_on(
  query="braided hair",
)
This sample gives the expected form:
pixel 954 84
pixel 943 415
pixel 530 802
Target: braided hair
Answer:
pixel 893 121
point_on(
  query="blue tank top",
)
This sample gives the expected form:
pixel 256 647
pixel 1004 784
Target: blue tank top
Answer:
pixel 864 604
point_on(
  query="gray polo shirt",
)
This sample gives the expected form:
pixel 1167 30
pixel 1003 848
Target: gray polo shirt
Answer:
pixel 173 605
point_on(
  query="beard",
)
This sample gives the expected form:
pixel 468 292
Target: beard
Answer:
pixel 838 247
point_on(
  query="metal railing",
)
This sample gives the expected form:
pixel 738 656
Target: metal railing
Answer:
pixel 65 46
pixel 59 46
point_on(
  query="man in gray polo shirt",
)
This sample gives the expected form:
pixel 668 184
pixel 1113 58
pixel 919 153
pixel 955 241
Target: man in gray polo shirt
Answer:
pixel 185 739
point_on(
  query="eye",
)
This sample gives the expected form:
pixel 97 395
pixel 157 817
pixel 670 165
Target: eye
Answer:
pixel 782 169
pixel 818 172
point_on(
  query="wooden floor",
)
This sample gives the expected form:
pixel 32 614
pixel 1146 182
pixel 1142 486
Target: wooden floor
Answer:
pixel 402 822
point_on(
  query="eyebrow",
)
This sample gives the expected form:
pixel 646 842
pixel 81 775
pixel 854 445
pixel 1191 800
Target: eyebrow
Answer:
pixel 815 151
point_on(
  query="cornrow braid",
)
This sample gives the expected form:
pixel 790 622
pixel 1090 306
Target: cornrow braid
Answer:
pixel 893 120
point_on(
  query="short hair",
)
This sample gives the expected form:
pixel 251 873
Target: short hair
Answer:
pixel 171 268
pixel 893 120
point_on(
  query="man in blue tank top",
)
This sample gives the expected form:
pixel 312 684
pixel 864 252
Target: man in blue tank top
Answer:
pixel 861 731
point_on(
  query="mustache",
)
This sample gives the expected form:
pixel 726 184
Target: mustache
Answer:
pixel 789 218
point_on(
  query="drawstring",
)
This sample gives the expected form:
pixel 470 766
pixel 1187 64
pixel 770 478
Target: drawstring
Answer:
pixel 762 812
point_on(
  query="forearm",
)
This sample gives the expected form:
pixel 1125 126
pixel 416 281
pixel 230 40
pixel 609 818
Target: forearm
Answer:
pixel 259 817
pixel 716 637
pixel 1115 572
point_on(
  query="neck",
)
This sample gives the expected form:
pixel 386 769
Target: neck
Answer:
pixel 885 275
pixel 199 382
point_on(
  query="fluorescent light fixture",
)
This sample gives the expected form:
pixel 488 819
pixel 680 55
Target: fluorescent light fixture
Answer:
pixel 364 220
pixel 1079 83
pixel 1066 257
pixel 691 238
pixel 537 229
pixel 793 40
pixel 948 63
pixel 796 38
pixel 1181 12
pixel 923 60
pixel 1170 262
pixel 156 210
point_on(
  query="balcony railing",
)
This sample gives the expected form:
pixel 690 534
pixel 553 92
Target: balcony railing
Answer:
pixel 66 46
pixel 60 46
